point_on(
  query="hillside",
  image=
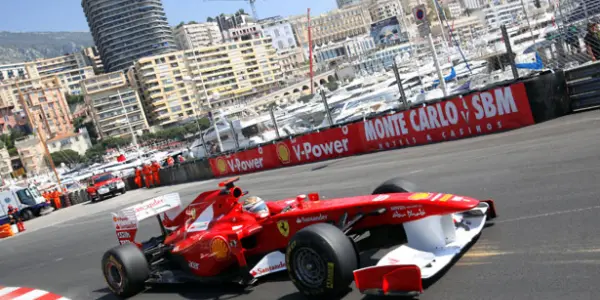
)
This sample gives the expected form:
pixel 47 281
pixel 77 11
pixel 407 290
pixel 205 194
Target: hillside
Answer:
pixel 26 46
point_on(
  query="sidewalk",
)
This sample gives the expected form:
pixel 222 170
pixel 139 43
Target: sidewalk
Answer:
pixel 88 209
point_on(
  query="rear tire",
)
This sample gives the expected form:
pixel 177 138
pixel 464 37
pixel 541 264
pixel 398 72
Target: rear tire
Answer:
pixel 396 185
pixel 125 270
pixel 320 261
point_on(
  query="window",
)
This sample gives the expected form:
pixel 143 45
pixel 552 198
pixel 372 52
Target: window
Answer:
pixel 276 32
pixel 280 45
pixel 26 197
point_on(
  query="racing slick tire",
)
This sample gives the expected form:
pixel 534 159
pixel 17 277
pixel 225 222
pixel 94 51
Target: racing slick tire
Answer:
pixel 320 261
pixel 125 270
pixel 395 185
pixel 27 214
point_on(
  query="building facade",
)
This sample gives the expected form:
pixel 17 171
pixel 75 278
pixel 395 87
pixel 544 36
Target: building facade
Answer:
pixel 327 56
pixel 31 152
pixel 125 31
pixel 190 36
pixel 228 21
pixel 93 58
pixel 167 98
pixel 18 71
pixel 5 164
pixel 293 63
pixel 385 9
pixel 243 33
pixel 281 32
pixel 346 3
pixel 234 72
pixel 77 141
pixel 47 111
pixel 333 26
pixel 114 105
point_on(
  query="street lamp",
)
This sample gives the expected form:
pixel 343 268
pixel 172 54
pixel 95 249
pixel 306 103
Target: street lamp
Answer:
pixel 133 137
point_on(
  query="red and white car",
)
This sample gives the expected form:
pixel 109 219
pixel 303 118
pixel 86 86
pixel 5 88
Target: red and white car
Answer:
pixel 105 185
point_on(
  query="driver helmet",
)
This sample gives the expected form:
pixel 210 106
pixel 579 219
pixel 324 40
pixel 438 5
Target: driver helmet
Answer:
pixel 256 206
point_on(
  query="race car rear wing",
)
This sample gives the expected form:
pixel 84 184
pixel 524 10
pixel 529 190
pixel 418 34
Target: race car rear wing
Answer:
pixel 126 220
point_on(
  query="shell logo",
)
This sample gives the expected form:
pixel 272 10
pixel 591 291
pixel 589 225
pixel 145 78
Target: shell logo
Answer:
pixel 219 248
pixel 283 152
pixel 419 196
pixel 221 165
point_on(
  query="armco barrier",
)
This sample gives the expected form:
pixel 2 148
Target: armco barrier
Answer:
pixel 548 95
pixel 498 109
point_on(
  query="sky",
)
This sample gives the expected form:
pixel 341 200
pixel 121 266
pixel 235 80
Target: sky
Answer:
pixel 67 15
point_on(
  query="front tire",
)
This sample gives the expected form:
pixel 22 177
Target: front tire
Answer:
pixel 125 270
pixel 396 185
pixel 320 261
pixel 27 214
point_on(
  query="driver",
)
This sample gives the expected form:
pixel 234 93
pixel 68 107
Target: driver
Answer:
pixel 256 206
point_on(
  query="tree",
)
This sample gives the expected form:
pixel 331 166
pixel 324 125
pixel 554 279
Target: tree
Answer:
pixel 68 157
pixel 179 25
pixel 210 19
pixel 75 99
pixel 95 153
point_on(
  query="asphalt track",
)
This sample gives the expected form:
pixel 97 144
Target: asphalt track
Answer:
pixel 544 245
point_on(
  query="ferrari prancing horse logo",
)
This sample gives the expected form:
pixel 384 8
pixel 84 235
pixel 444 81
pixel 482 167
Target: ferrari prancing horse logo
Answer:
pixel 284 228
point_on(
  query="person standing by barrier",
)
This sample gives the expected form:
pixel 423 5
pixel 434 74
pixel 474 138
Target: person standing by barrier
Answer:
pixel 147 175
pixel 180 159
pixel 138 177
pixel 156 172
pixel 170 161
pixel 56 197
pixel 592 41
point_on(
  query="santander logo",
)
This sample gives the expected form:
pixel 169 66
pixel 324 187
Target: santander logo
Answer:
pixel 269 269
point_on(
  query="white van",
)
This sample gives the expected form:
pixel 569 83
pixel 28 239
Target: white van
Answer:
pixel 28 200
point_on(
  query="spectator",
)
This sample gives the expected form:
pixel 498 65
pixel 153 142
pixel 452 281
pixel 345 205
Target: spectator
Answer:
pixel 573 39
pixel 592 41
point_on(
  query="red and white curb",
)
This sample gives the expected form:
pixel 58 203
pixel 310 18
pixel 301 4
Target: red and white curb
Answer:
pixel 24 293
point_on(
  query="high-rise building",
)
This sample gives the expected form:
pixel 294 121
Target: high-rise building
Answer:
pixel 173 85
pixel 234 72
pixel 115 105
pixel 196 35
pixel 226 21
pixel 333 26
pixel 346 3
pixel 166 97
pixel 125 31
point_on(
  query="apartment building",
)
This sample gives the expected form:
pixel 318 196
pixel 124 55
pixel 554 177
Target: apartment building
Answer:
pixel 293 63
pixel 243 33
pixel 385 9
pixel 504 13
pixel 18 71
pixel 31 152
pixel 125 31
pixel 166 97
pixel 5 164
pixel 234 72
pixel 455 9
pixel 93 59
pixel 280 31
pixel 47 111
pixel 77 141
pixel 197 35
pixel 466 29
pixel 333 26
pixel 70 69
pixel 11 91
pixel 115 105
pixel 331 54
pixel 346 3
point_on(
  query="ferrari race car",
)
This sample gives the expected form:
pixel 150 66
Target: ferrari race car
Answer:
pixel 318 242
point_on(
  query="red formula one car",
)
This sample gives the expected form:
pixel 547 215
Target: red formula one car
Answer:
pixel 318 242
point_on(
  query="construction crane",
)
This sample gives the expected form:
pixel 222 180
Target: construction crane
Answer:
pixel 252 6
